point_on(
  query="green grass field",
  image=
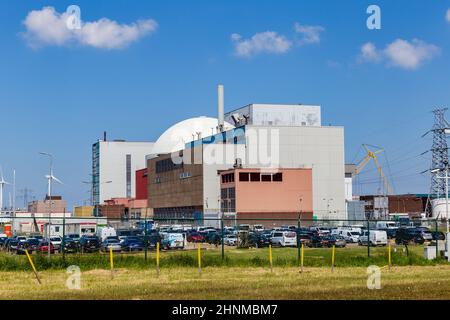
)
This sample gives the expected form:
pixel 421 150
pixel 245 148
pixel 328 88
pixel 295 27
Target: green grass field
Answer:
pixel 243 274
pixel 408 282
pixel 282 257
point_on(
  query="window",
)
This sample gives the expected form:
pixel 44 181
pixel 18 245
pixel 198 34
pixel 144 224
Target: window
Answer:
pixel 278 177
pixel 255 176
pixel 128 173
pixel 266 177
pixel 244 176
pixel 231 193
pixel 223 193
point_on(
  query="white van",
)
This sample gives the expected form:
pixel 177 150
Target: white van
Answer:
pixel 284 238
pixel 386 225
pixel 105 232
pixel 350 235
pixel 377 238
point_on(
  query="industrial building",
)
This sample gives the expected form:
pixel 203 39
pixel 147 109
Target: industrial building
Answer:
pixel 182 170
pixel 248 193
pixel 114 164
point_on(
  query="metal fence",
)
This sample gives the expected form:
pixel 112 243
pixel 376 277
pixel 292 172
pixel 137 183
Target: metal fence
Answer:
pixel 215 233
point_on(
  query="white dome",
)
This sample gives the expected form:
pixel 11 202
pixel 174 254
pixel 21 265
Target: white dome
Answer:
pixel 175 138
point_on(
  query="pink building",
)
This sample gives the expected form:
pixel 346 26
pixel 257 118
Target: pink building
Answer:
pixel 253 193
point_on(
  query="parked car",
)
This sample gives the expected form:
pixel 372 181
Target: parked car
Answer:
pixel 412 235
pixel 195 237
pixel 89 244
pixel 74 237
pixel 213 238
pixel 109 244
pixel 377 237
pixel 44 247
pixel 56 241
pixel 337 241
pixel 172 241
pixel 284 238
pixel 304 237
pixel 12 245
pixel 437 235
pixel 315 241
pixel 390 232
pixel 130 244
pixel 70 245
pixel 320 230
pixel 30 245
pixel 349 236
pixel 230 240
pixel 259 240
pixel 258 228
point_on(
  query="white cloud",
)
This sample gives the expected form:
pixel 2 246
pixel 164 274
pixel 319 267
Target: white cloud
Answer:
pixel 263 42
pixel 369 52
pixel 310 34
pixel 404 54
pixel 447 15
pixel 410 55
pixel 47 27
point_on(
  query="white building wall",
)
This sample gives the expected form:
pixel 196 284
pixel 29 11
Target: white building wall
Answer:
pixel 113 167
pixel 279 114
pixel 349 189
pixel 320 148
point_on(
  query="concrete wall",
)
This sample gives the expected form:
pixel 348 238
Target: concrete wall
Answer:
pixel 279 114
pixel 113 167
pixel 319 148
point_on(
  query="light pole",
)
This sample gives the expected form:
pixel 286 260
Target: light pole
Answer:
pixel 49 194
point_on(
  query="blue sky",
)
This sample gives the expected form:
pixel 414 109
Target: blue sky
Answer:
pixel 59 95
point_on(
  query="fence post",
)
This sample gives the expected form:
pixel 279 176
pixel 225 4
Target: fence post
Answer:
pixel 32 266
pixel 368 238
pixel 146 240
pixel 199 258
pixel 389 255
pixel 63 242
pixel 111 261
pixel 298 242
pixel 157 258
pixel 302 258
pixel 270 258
pixel 223 243
pixel 333 251
pixel 437 241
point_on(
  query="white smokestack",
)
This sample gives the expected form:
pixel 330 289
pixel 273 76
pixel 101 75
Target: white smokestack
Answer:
pixel 220 107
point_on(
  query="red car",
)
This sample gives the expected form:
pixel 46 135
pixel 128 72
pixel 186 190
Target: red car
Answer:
pixel 195 237
pixel 43 247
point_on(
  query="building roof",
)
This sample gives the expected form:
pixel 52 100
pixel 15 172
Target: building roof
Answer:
pixel 175 138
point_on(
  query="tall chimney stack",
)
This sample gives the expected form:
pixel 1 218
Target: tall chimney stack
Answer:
pixel 104 135
pixel 220 107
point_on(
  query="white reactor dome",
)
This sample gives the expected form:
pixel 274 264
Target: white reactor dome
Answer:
pixel 175 138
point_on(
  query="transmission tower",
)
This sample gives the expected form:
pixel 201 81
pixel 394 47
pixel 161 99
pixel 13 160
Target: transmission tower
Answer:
pixel 439 151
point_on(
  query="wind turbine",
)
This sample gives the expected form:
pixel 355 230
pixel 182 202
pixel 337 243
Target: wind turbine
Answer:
pixel 50 177
pixel 2 184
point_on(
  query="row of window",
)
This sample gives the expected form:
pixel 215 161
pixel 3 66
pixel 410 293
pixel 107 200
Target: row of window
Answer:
pixel 257 177
pixel 228 177
pixel 166 165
